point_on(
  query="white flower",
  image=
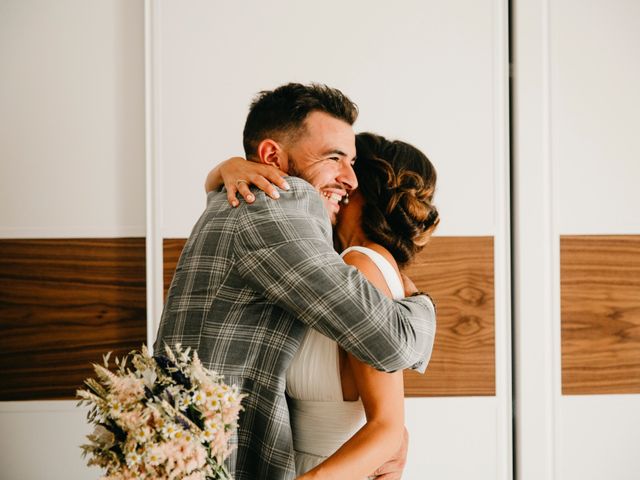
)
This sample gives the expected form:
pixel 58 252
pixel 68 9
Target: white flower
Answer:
pixel 213 423
pixel 198 397
pixel 142 435
pixel 155 455
pixel 169 430
pixel 182 403
pixel 208 435
pixel 115 408
pixel 156 445
pixel 149 377
pixel 133 458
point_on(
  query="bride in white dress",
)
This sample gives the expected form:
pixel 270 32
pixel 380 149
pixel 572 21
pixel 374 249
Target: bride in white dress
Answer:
pixel 348 418
pixel 325 410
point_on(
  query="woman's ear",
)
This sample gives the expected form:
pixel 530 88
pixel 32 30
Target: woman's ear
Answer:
pixel 271 153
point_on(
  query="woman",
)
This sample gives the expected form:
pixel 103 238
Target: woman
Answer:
pixel 348 418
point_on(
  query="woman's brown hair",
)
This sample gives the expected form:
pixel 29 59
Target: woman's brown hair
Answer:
pixel 397 182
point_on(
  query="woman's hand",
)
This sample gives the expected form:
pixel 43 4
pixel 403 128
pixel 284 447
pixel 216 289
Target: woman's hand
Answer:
pixel 409 287
pixel 237 174
pixel 392 469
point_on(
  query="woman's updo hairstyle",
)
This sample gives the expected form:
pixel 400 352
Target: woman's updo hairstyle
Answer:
pixel 397 182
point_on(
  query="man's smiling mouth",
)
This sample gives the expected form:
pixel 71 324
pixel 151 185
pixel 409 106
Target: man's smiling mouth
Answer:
pixel 332 197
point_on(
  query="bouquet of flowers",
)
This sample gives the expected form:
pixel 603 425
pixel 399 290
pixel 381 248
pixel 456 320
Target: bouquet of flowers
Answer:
pixel 164 417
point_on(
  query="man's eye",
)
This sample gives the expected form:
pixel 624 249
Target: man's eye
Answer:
pixel 335 159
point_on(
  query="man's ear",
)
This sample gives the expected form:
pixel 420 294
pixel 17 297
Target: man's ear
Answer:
pixel 271 153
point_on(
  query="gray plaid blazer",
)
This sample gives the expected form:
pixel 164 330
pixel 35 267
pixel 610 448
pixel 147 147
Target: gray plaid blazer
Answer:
pixel 249 283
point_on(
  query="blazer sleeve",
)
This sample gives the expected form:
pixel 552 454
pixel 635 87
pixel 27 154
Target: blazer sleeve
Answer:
pixel 283 250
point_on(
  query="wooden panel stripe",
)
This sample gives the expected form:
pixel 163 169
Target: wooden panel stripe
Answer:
pixel 172 248
pixel 600 292
pixel 458 273
pixel 63 304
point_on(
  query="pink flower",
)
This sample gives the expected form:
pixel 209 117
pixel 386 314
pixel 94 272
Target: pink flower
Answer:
pixel 199 475
pixel 128 390
pixel 130 420
pixel 155 447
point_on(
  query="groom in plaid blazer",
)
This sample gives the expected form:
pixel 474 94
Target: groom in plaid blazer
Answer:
pixel 251 280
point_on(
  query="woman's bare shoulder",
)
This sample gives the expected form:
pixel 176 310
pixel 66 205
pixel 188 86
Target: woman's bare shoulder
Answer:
pixel 365 265
pixel 356 256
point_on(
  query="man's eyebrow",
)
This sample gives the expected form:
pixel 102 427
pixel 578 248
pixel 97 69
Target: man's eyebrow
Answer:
pixel 335 151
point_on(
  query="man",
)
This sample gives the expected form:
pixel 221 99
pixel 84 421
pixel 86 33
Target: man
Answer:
pixel 251 280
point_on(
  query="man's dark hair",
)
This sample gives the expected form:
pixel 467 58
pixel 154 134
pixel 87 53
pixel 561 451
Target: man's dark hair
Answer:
pixel 280 113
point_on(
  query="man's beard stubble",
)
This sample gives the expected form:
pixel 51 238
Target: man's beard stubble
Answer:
pixel 295 172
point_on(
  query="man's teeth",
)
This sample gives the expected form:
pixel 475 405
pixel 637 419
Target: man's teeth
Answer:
pixel 334 197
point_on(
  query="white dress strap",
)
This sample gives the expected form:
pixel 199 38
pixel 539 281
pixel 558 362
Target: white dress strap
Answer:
pixel 388 272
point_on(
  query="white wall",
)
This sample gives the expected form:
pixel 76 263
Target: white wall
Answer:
pixel 595 147
pixel 72 118
pixel 576 165
pixel 421 71
pixel 454 438
pixel 599 437
pixel 41 441
pixel 595 119
pixel 72 165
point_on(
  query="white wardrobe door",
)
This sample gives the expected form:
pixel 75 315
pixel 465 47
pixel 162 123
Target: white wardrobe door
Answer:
pixel 432 73
pixel 577 242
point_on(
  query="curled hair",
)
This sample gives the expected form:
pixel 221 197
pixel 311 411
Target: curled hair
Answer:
pixel 281 113
pixel 397 182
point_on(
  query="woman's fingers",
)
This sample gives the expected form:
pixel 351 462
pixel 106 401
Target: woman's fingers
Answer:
pixel 243 188
pixel 276 177
pixel 231 196
pixel 409 287
pixel 266 178
pixel 266 186
pixel 239 176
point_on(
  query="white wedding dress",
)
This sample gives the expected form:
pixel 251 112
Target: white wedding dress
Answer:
pixel 320 419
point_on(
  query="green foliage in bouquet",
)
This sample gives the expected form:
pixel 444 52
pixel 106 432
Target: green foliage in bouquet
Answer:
pixel 165 417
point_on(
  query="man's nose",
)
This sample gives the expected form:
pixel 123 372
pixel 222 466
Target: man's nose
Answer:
pixel 348 176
